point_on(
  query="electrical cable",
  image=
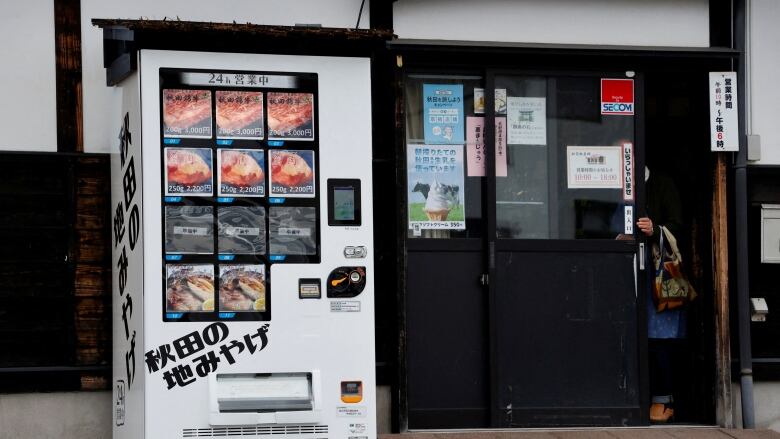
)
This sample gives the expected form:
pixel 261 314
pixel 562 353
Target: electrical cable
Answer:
pixel 360 14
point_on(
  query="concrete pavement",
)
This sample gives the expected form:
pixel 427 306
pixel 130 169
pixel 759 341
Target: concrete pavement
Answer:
pixel 610 433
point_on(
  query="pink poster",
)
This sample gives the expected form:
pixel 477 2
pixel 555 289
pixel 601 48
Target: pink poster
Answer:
pixel 475 146
pixel 500 147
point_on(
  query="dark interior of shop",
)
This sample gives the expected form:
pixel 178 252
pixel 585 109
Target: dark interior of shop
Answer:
pixel 678 145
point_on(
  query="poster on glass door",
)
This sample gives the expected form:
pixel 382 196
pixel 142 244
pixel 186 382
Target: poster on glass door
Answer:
pixel 475 146
pixel 443 113
pixel 435 187
pixel 527 121
pixel 594 167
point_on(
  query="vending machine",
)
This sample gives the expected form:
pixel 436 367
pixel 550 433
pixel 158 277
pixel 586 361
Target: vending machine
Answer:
pixel 242 224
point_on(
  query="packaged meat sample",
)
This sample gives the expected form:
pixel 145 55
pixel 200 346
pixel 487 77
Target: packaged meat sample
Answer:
pixel 291 116
pixel 241 230
pixel 189 229
pixel 242 288
pixel 239 115
pixel 293 230
pixel 188 171
pixel 292 173
pixel 241 172
pixel 187 113
pixel 189 288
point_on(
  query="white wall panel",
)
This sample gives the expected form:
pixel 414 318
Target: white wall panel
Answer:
pixel 28 118
pixel 764 65
pixel 102 104
pixel 615 22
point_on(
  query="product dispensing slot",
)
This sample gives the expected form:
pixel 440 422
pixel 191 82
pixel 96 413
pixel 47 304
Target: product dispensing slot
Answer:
pixel 264 398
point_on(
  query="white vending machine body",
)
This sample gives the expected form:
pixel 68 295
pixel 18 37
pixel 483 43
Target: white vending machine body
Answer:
pixel 243 233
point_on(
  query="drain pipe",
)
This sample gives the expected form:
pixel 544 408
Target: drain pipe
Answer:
pixel 741 221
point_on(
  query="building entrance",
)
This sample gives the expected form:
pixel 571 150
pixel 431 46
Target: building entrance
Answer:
pixel 525 268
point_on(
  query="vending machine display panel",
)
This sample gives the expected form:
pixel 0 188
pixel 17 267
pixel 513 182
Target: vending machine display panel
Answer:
pixel 221 172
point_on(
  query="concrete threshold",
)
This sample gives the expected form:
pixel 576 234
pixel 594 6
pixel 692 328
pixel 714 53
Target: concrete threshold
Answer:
pixel 654 432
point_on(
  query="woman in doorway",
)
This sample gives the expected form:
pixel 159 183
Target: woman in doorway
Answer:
pixel 666 330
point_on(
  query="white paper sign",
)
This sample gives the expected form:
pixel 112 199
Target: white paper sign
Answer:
pixel 500 143
pixel 628 214
pixel 594 167
pixel 724 117
pixel 527 121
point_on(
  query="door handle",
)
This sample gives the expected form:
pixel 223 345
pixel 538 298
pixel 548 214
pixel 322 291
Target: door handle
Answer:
pixel 641 255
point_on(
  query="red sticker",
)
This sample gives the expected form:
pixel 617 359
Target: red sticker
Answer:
pixel 617 96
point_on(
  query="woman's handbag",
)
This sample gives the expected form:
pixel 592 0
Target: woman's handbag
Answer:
pixel 670 287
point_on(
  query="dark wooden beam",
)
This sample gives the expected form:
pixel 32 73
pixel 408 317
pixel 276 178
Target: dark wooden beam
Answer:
pixel 720 239
pixel 67 36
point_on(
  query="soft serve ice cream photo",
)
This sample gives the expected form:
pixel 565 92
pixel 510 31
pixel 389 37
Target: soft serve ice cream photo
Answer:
pixel 440 201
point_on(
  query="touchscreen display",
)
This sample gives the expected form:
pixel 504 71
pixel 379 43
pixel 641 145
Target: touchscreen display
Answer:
pixel 344 203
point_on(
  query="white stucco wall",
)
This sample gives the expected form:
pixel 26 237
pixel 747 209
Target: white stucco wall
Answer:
pixel 66 415
pixel 764 65
pixel 614 22
pixel 28 118
pixel 102 104
pixel 766 399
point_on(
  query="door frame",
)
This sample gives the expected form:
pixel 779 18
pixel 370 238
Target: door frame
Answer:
pixel 432 54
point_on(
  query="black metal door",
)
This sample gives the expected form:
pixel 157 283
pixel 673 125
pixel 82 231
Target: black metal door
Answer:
pixel 565 278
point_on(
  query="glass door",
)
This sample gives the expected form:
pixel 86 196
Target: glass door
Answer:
pixel 562 253
pixel 522 271
pixel 446 301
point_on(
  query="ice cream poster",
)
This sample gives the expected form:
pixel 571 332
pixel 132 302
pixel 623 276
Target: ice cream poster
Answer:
pixel 443 113
pixel 435 187
pixel 241 172
pixel 291 116
pixel 527 120
pixel 292 173
pixel 188 171
pixel 594 167
pixel 239 115
pixel 187 113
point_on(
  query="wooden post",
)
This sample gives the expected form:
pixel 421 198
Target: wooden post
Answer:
pixel 67 46
pixel 720 241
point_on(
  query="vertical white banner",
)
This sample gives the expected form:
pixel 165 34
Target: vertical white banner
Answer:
pixel 724 116
pixel 628 171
